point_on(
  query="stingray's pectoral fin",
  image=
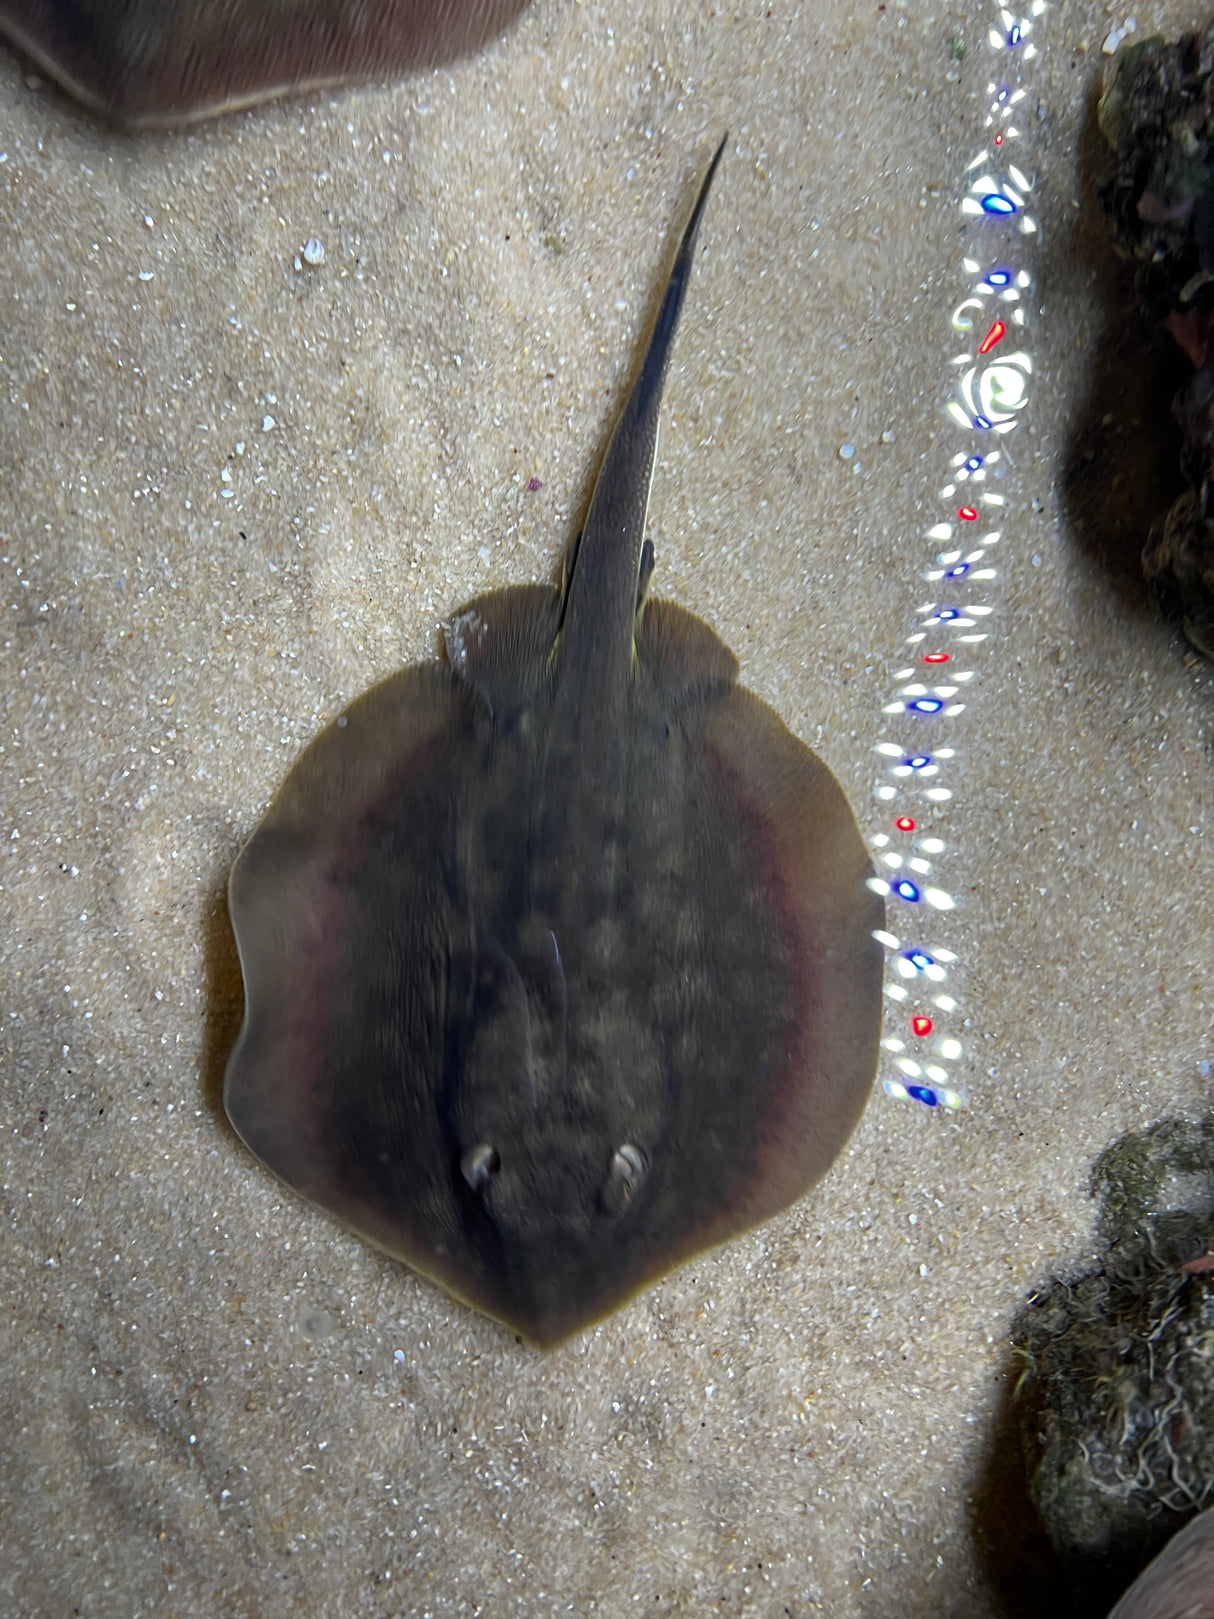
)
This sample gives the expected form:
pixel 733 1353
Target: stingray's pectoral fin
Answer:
pixel 680 654
pixel 152 63
pixel 315 899
pixel 819 870
pixel 500 643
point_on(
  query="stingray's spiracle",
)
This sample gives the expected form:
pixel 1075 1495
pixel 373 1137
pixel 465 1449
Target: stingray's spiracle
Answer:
pixel 929 1036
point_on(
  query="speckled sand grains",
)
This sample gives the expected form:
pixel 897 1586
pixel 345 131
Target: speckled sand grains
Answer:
pixel 236 492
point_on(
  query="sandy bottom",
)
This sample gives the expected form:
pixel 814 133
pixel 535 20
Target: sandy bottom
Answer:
pixel 237 491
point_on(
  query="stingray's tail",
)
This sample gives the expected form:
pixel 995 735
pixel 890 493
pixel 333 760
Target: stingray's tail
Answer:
pixel 601 597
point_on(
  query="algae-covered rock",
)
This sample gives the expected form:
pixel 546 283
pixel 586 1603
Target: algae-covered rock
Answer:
pixel 1178 563
pixel 1157 114
pixel 1116 1398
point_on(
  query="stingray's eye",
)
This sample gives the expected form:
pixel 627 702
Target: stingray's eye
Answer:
pixel 479 1164
pixel 627 1172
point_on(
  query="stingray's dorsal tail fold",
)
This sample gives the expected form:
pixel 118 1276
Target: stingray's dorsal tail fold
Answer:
pixel 600 607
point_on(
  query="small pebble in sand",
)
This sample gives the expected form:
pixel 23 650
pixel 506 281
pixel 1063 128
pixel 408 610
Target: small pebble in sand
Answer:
pixel 267 422
pixel 846 451
pixel 1115 37
pixel 313 251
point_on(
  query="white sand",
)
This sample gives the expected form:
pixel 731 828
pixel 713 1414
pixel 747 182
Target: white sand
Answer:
pixel 215 1401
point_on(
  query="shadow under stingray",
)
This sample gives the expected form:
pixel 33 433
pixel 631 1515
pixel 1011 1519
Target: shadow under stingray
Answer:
pixel 1121 469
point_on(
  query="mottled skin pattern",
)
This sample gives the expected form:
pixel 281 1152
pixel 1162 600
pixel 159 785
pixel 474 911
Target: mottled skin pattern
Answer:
pixel 150 63
pixel 558 956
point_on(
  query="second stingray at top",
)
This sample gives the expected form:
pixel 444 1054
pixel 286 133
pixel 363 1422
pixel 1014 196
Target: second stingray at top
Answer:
pixel 558 956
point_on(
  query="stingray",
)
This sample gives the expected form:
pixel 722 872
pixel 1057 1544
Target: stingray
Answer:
pixel 151 63
pixel 558 955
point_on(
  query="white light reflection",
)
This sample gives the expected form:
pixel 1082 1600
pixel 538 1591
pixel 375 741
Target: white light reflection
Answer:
pixel 915 783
